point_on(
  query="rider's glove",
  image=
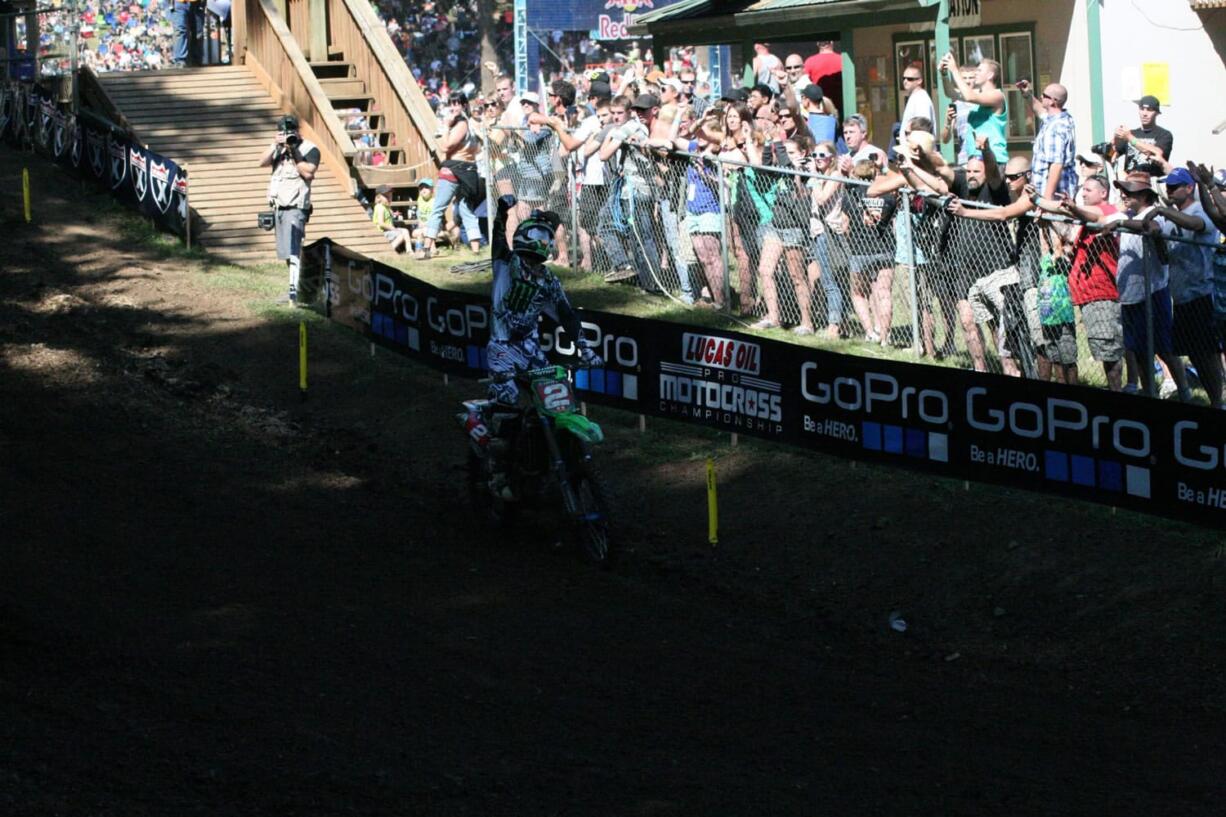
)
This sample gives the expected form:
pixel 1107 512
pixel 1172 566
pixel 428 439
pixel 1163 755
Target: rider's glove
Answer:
pixel 590 358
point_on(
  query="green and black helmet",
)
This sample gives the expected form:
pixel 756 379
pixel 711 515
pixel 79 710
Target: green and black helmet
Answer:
pixel 534 238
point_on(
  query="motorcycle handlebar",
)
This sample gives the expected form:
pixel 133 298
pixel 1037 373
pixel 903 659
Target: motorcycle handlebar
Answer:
pixel 503 377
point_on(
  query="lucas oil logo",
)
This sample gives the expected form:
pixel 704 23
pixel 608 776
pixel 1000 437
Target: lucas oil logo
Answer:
pixel 721 353
pixel 628 5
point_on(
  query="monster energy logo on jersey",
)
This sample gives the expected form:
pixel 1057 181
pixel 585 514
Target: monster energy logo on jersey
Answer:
pixel 521 295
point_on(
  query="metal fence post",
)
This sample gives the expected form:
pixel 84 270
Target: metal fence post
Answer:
pixel 187 206
pixel 1149 320
pixel 907 238
pixel 723 234
pixel 491 203
pixel 573 192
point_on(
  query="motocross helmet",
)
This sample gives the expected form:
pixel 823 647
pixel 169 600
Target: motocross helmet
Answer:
pixel 533 241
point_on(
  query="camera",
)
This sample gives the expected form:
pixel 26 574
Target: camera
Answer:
pixel 1104 149
pixel 266 220
pixel 292 139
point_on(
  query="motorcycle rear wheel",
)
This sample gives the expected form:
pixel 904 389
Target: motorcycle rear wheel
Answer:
pixel 593 528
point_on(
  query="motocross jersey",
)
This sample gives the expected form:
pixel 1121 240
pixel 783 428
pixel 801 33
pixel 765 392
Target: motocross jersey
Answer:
pixel 520 295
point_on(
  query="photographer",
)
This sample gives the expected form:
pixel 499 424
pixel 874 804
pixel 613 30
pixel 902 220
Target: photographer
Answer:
pixel 293 161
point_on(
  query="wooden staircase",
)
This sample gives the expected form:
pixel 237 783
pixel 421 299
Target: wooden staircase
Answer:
pixel 219 121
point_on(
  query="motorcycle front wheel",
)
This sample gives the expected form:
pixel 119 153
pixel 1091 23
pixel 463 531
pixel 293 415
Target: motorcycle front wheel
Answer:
pixel 593 524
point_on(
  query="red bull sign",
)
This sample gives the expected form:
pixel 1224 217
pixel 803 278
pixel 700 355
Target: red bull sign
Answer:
pixel 609 27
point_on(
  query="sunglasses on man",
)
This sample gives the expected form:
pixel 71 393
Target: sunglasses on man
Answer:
pixel 1015 176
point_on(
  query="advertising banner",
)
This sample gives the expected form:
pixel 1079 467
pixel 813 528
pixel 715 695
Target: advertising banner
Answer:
pixel 138 177
pixel 1148 455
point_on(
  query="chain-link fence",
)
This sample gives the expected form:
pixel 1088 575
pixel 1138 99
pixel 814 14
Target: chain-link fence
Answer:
pixel 779 248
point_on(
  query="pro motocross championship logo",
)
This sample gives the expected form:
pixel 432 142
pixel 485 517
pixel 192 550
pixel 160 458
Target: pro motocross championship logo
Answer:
pixel 717 381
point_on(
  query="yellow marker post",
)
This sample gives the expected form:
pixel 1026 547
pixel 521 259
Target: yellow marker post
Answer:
pixel 712 505
pixel 302 359
pixel 25 192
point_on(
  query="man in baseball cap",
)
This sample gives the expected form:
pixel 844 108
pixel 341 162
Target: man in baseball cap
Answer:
pixel 822 124
pixel 1144 282
pixel 630 240
pixel 1149 146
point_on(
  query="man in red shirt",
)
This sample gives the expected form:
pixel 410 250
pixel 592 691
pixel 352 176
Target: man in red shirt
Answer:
pixel 825 68
pixel 1091 280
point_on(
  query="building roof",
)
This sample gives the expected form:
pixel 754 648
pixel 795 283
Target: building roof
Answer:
pixel 729 18
pixel 1202 5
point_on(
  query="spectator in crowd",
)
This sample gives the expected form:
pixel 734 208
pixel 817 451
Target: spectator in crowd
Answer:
pixel 956 126
pixel 738 130
pixel 1087 168
pixel 670 91
pixel 989 117
pixel 398 237
pixel 823 124
pixel 530 143
pixel 425 209
pixel 703 213
pixel 628 233
pixel 561 98
pixel 1091 279
pixel 1191 269
pixel 689 95
pixel 1144 282
pixel 797 79
pixel 825 68
pixel 188 19
pixel 919 103
pixel 782 205
pixel 458 177
pixel 1055 144
pixel 855 135
pixel 920 167
pixel 760 95
pixel 1213 200
pixel 764 64
pixel 1147 148
pixel 871 253
pixel 584 144
pixel 1023 330
pixel 827 218
pixel 967 256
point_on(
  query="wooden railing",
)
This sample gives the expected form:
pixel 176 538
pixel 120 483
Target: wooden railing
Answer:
pixel 356 30
pixel 278 63
pixel 95 98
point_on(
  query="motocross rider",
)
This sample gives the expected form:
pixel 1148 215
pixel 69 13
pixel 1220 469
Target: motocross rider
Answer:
pixel 524 288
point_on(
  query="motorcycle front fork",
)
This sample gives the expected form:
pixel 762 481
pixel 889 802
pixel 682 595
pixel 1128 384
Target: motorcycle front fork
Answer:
pixel 569 499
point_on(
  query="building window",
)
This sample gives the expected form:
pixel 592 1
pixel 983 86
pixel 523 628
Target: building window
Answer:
pixel 1011 46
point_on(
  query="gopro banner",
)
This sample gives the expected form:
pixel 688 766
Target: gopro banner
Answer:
pixel 1148 455
pixel 138 177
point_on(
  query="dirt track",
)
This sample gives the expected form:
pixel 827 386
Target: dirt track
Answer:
pixel 215 599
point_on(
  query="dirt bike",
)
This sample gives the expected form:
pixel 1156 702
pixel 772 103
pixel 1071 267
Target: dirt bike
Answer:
pixel 544 448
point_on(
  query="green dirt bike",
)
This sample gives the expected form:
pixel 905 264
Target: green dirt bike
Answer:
pixel 544 447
